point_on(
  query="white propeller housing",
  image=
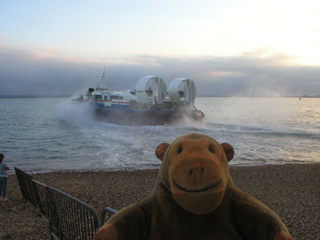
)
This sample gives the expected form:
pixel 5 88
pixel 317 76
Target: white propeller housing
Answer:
pixel 150 89
pixel 182 91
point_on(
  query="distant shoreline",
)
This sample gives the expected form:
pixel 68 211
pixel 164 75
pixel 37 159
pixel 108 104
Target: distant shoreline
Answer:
pixel 35 96
pixel 68 96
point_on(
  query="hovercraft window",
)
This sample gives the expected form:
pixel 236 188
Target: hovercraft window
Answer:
pixel 98 97
pixel 116 97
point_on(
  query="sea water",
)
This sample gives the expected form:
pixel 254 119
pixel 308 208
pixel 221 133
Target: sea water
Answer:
pixel 50 134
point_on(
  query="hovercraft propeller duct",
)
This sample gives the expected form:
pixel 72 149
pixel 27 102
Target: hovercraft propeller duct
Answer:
pixel 150 89
pixel 182 91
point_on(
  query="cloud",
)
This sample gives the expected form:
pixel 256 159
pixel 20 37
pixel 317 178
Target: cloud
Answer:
pixel 262 72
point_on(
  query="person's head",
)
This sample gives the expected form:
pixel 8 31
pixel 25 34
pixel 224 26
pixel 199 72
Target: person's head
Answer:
pixel 1 157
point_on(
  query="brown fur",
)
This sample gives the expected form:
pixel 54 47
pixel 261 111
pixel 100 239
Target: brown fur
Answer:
pixel 195 198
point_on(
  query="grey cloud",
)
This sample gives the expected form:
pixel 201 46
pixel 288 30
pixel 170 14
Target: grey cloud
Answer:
pixel 250 74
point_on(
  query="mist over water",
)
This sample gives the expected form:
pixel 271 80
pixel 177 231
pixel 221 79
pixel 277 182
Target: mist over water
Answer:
pixel 58 134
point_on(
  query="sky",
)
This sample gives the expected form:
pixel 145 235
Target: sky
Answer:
pixel 229 48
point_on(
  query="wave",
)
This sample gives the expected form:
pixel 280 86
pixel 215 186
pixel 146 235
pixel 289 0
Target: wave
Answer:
pixel 264 131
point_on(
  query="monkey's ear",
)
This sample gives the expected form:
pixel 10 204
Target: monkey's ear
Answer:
pixel 228 149
pixel 161 150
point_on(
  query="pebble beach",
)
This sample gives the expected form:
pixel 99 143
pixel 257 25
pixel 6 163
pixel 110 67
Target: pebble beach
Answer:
pixel 290 190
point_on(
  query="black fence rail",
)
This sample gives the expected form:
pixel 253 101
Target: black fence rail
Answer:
pixel 106 212
pixel 24 180
pixel 68 217
pixel 30 189
pixel 42 197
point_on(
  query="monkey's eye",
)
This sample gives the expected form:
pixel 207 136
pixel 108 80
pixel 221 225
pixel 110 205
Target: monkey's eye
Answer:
pixel 211 149
pixel 179 150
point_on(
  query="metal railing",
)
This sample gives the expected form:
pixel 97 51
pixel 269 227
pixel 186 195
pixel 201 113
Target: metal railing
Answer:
pixel 106 212
pixel 68 217
pixel 30 189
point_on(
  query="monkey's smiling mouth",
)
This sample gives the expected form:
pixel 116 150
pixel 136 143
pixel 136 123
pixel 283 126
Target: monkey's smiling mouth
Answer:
pixel 197 190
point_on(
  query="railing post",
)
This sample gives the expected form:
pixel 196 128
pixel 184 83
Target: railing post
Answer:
pixel 70 218
pixel 103 213
pixel 29 189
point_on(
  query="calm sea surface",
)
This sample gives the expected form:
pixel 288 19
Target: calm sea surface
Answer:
pixel 39 135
